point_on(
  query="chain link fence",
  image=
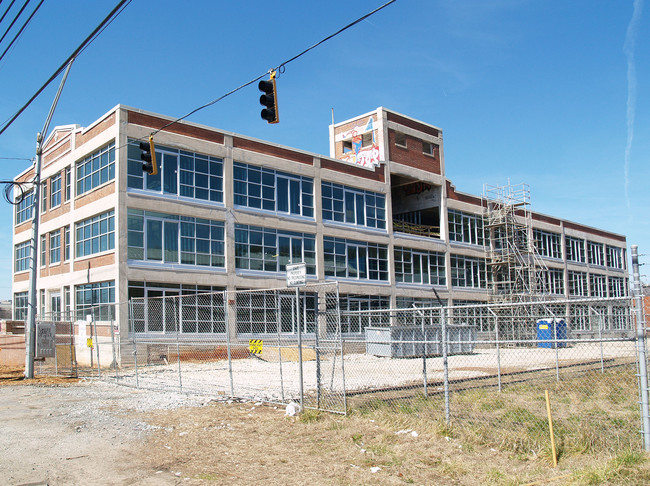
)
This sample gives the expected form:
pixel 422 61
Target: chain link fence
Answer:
pixel 484 369
pixel 479 370
pixel 85 342
pixel 276 346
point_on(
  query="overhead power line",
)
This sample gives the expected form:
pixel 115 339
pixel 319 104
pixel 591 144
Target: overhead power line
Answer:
pixel 21 30
pixel 7 11
pixel 93 35
pixel 280 67
pixel 14 21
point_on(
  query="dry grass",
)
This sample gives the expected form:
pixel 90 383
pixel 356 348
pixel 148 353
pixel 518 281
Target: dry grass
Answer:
pixel 14 375
pixel 500 438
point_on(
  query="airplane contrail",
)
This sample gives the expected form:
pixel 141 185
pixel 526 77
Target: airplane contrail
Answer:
pixel 628 49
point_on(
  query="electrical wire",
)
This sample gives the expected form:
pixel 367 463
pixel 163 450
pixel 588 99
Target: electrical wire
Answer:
pixel 21 29
pixel 7 11
pixel 14 21
pixel 117 10
pixel 278 68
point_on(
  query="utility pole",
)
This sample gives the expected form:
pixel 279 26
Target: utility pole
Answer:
pixel 30 328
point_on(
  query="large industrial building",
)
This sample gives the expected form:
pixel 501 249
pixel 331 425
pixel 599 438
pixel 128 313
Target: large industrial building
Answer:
pixel 228 212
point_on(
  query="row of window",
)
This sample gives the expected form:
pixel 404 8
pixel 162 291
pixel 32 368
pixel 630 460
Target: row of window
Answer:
pixel 96 299
pixel 549 244
pixel 94 170
pixel 199 176
pixel 92 235
pixel 581 284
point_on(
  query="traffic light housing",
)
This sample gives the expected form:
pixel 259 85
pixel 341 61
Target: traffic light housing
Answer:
pixel 269 99
pixel 148 155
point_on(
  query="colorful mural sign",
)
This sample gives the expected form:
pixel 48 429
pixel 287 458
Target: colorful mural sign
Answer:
pixel 368 156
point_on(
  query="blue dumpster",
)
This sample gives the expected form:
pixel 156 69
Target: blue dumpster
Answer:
pixel 549 329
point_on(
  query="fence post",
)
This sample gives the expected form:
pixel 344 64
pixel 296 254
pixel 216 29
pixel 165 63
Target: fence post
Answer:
pixel 300 371
pixel 643 363
pixel 177 309
pixel 94 331
pixel 226 307
pixel 496 338
pixel 113 345
pixel 424 354
pixel 133 333
pixel 443 338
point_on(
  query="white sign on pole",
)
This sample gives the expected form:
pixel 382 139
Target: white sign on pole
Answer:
pixel 296 275
pixel 45 339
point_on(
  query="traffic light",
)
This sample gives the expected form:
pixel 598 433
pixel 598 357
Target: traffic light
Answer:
pixel 269 99
pixel 148 155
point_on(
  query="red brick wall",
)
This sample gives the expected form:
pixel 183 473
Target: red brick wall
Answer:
pixel 394 117
pixel 412 155
pixel 377 175
pixel 106 123
pixel 273 150
pixel 94 195
pixel 179 128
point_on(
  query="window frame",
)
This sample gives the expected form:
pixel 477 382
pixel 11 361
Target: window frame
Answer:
pixel 95 223
pixel 95 169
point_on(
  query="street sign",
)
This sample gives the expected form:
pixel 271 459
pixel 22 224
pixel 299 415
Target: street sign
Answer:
pixel 296 275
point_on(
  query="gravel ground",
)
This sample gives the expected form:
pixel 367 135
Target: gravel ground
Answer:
pixel 276 382
pixel 80 434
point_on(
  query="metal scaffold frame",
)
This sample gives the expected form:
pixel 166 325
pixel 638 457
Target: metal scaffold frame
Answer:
pixel 516 269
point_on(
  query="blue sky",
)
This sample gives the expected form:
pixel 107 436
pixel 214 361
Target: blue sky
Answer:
pixel 551 93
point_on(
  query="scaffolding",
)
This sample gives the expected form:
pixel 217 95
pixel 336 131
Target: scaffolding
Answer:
pixel 516 271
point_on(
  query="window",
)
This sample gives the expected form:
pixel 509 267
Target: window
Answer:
pixel 466 227
pixel 353 321
pixel 579 315
pixel 595 253
pixel 575 249
pixel 55 189
pixel 402 302
pixel 474 313
pixel 94 235
pixel 366 140
pixel 43 197
pixel 577 283
pixel 420 267
pixel 66 302
pixel 21 305
pixel 262 188
pixel 160 237
pixel 616 286
pixel 553 280
pixel 598 285
pixel 428 148
pixel 354 206
pixel 43 250
pixel 347 146
pixel 547 244
pixel 24 208
pixel 269 250
pixel 262 312
pixel 615 257
pixel 180 173
pixel 201 308
pixel 66 242
pixel 68 183
pixel 96 299
pixel 355 259
pixel 96 169
pixel 468 271
pixel 55 247
pixel 22 254
pixel 400 139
